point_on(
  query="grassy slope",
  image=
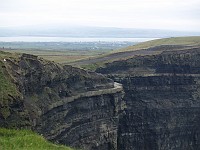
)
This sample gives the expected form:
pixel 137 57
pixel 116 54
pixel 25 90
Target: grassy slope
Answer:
pixel 193 40
pixel 189 41
pixel 7 87
pixel 25 140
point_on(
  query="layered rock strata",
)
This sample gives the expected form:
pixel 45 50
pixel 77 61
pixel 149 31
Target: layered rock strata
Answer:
pixel 64 104
pixel 163 103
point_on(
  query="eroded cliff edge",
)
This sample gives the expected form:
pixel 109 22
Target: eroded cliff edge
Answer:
pixel 162 93
pixel 66 104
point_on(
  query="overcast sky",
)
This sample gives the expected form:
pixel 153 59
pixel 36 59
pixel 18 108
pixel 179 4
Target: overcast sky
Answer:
pixel 156 14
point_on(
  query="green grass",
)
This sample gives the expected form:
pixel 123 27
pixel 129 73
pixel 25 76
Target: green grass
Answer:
pixel 25 140
pixel 190 40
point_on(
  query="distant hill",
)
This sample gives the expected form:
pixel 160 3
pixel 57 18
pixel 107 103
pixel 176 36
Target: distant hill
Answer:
pixel 82 31
pixel 190 40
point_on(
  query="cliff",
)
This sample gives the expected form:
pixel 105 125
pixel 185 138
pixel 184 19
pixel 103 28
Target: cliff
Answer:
pixel 162 97
pixel 66 104
pixel 159 110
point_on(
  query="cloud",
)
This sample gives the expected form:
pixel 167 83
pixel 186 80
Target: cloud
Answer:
pixel 167 14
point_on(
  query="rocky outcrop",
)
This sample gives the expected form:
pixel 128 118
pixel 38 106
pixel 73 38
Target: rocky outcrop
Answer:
pixel 162 98
pixel 66 104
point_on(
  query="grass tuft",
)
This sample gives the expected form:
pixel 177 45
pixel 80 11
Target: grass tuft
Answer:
pixel 25 140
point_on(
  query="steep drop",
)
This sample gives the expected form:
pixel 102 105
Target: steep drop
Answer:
pixel 162 98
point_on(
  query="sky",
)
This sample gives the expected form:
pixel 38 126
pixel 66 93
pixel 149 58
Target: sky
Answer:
pixel 146 14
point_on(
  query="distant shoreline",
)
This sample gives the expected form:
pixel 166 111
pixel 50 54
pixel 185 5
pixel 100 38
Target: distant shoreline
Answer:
pixel 70 39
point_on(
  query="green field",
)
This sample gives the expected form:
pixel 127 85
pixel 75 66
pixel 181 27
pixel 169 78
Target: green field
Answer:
pixel 25 140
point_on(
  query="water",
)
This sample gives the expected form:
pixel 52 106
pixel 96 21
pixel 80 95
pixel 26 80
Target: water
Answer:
pixel 70 39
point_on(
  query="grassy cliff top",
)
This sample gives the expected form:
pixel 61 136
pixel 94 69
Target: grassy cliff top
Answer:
pixel 140 49
pixel 190 40
pixel 25 140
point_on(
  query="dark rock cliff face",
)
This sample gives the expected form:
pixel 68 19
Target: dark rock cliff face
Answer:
pixel 162 93
pixel 160 109
pixel 66 104
pixel 162 113
pixel 87 123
